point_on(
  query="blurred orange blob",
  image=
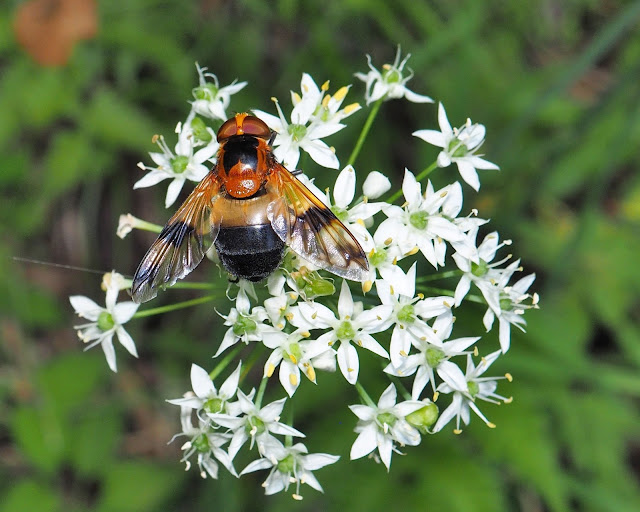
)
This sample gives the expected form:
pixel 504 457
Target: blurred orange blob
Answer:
pixel 48 29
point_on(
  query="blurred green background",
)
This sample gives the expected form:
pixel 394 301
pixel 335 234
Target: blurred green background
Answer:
pixel 557 85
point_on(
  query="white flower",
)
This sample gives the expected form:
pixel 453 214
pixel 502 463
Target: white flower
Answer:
pixel 408 315
pixel 259 424
pixel 353 325
pixel 107 321
pixel 512 306
pixel 294 354
pixel 185 164
pixel 425 221
pixel 383 258
pixel 478 269
pixel 390 83
pixel 204 442
pixel 459 146
pixel 383 425
pixel 313 117
pixel 246 324
pixel 127 222
pixel 434 352
pixel 211 100
pixel 289 465
pixel 205 396
pixel 466 388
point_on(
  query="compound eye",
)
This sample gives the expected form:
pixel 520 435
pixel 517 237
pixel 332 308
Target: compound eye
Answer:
pixel 228 129
pixel 255 126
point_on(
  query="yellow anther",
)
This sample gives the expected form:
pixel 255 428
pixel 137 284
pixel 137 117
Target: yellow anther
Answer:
pixel 270 370
pixel 350 108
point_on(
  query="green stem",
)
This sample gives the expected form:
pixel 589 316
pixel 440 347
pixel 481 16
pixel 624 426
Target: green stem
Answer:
pixel 439 275
pixel 261 389
pixel 173 307
pixel 147 226
pixel 365 131
pixel 364 395
pixel 193 286
pixel 288 440
pixel 422 175
pixel 225 362
pixel 438 291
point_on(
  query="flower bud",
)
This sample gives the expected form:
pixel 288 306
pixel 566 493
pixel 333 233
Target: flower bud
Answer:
pixel 375 185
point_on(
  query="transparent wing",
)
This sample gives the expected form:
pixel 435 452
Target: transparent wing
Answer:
pixel 182 243
pixel 311 229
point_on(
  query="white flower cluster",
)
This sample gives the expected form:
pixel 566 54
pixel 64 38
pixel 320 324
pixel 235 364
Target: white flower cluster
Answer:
pixel 394 315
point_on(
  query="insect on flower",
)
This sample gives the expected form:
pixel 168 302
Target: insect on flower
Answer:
pixel 250 208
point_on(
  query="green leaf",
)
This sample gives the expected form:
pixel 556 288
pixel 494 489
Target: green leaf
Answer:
pixel 95 435
pixel 69 381
pixel 116 122
pixel 39 433
pixel 68 160
pixel 29 495
pixel 138 487
pixel 523 441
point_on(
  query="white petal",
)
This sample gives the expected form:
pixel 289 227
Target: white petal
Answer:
pixel 201 382
pixel 230 385
pixel 152 178
pixel 345 187
pixel 284 430
pixel 316 461
pixel 321 154
pixel 228 340
pixel 85 307
pixel 433 137
pixel 385 448
pixel 289 376
pixel 371 344
pixel 123 311
pixel 469 174
pixel 411 188
pixel 256 465
pixel 364 412
pixel 345 302
pixel 419 383
pixel 320 131
pixel 348 362
pixel 388 397
pixel 415 97
pixel 273 410
pixel 481 163
pixel 462 289
pixel 173 190
pixel 110 353
pixel 452 375
pixel 365 443
pixel 126 341
pixel 488 319
pixel 445 127
pixel 504 334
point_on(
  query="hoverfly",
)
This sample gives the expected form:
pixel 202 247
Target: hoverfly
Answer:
pixel 250 208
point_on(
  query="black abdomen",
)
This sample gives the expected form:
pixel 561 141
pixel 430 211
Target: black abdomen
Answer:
pixel 249 252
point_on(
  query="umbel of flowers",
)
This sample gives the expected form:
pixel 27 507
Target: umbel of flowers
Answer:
pixel 308 322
